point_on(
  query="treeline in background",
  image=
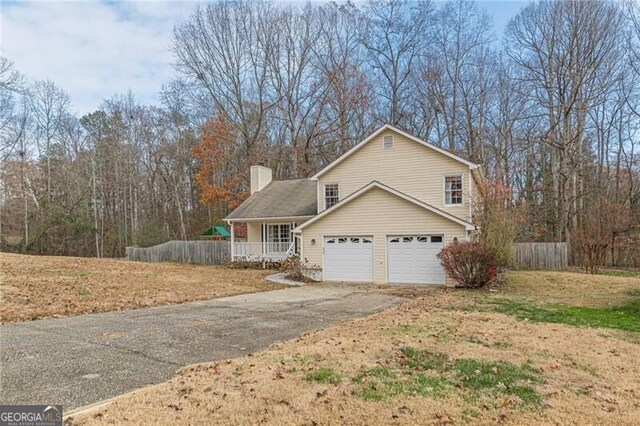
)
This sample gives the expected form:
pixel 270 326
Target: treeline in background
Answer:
pixel 550 108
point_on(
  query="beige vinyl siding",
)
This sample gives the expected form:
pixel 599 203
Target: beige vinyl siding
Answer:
pixel 254 232
pixel 380 214
pixel 409 167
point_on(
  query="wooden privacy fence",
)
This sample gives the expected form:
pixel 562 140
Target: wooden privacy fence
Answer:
pixel 552 256
pixel 201 252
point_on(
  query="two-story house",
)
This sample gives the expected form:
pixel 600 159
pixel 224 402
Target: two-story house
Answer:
pixel 379 213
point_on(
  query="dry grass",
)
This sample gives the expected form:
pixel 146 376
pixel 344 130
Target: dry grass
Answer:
pixel 571 288
pixel 33 287
pixel 585 375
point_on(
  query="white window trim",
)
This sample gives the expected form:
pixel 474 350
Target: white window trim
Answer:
pixel 266 231
pixel 444 188
pixel 324 193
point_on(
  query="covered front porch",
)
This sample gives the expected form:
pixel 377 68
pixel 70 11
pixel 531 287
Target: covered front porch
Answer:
pixel 271 213
pixel 270 240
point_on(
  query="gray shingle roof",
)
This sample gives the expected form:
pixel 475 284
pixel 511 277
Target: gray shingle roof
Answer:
pixel 280 198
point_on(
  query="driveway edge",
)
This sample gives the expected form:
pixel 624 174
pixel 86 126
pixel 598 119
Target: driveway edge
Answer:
pixel 86 409
pixel 280 279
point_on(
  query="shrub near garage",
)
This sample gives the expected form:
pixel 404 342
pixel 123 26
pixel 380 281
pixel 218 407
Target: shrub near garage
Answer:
pixel 471 264
pixel 248 263
pixel 294 269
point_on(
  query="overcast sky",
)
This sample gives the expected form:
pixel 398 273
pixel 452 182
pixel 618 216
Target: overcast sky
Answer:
pixel 97 49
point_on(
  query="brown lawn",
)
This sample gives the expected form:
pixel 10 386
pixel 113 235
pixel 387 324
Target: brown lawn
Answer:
pixel 363 371
pixel 572 288
pixel 33 287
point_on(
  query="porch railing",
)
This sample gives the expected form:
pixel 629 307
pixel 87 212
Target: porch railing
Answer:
pixel 259 251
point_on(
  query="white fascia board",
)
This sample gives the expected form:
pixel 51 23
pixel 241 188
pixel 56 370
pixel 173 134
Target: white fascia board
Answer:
pixel 254 219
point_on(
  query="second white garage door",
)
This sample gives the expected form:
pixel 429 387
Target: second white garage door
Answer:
pixel 412 259
pixel 348 259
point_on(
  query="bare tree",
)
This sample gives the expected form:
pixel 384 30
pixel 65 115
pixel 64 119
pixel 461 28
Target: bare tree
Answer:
pixel 462 60
pixel 296 83
pixel 395 36
pixel 11 87
pixel 552 113
pixel 341 59
pixel 49 104
pixel 568 52
pixel 226 48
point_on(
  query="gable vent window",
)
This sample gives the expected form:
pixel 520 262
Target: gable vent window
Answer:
pixel 387 142
pixel 452 190
pixel 331 195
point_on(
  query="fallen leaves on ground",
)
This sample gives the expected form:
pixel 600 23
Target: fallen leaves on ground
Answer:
pixel 34 287
pixel 583 375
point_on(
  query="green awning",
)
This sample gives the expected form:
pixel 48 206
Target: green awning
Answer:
pixel 216 230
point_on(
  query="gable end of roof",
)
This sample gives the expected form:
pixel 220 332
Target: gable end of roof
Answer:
pixel 373 135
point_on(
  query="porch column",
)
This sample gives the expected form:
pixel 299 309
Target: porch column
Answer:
pixel 265 237
pixel 233 248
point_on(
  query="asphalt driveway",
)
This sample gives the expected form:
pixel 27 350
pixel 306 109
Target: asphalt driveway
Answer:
pixel 81 360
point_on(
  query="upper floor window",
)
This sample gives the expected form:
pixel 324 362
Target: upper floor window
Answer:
pixel 453 190
pixel 331 195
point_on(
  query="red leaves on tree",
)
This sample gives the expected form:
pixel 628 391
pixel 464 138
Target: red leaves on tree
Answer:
pixel 471 264
pixel 222 185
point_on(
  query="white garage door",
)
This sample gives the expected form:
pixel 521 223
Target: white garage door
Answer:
pixel 412 259
pixel 348 259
